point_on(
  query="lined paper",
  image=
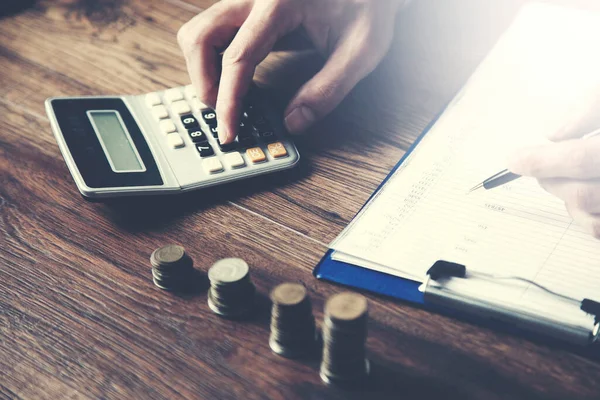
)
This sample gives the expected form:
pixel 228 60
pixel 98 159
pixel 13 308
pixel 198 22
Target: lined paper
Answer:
pixel 540 75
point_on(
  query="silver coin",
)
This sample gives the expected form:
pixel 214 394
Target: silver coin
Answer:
pixel 167 255
pixel 228 270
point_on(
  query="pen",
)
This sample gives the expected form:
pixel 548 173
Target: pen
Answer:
pixel 506 176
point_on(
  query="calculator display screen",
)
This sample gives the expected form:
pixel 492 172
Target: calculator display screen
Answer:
pixel 116 141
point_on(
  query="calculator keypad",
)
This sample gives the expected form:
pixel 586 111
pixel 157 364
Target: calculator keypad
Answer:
pixel 277 150
pixel 234 160
pixel 183 119
pixel 167 126
pixel 160 112
pixel 189 121
pixel 197 135
pixel 213 165
pixel 181 107
pixel 209 117
pixel 175 141
pixel 205 149
pixel 173 95
pixel 256 154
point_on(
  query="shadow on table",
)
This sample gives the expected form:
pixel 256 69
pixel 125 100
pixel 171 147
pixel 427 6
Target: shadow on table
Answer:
pixel 155 212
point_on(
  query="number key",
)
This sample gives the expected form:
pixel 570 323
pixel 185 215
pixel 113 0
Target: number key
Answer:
pixel 204 149
pixel 197 135
pixel 268 136
pixel 209 117
pixel 189 121
pixel 227 147
pixel 214 130
pixel 247 141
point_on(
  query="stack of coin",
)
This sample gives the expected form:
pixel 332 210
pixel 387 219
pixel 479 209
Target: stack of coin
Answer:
pixel 293 331
pixel 231 291
pixel 344 359
pixel 172 268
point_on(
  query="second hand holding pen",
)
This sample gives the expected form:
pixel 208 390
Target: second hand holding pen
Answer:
pixel 506 176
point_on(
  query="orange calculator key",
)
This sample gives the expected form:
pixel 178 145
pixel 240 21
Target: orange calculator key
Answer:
pixel 277 150
pixel 256 154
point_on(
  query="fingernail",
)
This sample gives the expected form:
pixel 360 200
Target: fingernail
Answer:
pixel 222 134
pixel 299 119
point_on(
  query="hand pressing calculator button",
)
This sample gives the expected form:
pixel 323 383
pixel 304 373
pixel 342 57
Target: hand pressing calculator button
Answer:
pixel 163 142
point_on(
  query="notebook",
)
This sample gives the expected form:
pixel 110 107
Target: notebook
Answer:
pixel 542 74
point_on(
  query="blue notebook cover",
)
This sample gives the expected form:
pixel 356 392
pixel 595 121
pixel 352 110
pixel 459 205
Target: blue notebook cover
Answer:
pixel 367 279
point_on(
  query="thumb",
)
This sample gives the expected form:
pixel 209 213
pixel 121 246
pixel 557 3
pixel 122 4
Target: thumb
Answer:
pixel 346 66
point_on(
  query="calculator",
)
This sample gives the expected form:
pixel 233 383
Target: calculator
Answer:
pixel 164 142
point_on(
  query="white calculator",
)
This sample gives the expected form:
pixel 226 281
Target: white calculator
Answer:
pixel 163 142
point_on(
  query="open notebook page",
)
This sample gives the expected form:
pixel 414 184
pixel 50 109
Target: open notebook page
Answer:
pixel 542 73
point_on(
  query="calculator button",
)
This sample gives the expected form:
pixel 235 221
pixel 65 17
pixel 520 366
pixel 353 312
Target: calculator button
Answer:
pixel 244 128
pixel 235 160
pixel 160 112
pixel 204 149
pixel 215 131
pixel 213 165
pixel 175 141
pixel 256 154
pixel 167 126
pixel 172 95
pixel 260 122
pixel 247 141
pixel 250 111
pixel 189 121
pixel 227 147
pixel 268 136
pixel 277 150
pixel 209 117
pixel 152 99
pixel 181 107
pixel 196 104
pixel 197 135
pixel 190 91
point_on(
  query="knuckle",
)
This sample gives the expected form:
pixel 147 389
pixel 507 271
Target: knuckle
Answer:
pixel 183 36
pixel 235 54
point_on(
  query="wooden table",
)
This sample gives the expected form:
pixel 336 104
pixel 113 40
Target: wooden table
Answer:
pixel 79 315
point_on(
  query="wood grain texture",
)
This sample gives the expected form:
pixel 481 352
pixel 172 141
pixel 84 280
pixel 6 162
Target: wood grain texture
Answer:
pixel 79 315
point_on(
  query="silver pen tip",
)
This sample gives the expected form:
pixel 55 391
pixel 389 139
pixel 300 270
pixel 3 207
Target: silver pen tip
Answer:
pixel 474 188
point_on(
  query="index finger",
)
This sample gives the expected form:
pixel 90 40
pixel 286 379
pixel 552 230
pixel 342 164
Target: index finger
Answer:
pixel 576 158
pixel 251 45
